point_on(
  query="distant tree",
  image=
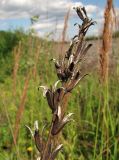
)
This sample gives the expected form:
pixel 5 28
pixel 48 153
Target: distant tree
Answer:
pixel 8 40
pixel 34 19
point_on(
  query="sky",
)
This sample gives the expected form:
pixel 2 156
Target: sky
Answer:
pixel 15 14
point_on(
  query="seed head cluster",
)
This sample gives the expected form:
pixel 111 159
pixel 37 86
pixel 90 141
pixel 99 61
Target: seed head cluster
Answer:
pixel 69 76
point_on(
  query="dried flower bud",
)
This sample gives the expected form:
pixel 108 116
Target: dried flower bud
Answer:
pixel 60 123
pixel 56 151
pixel 69 75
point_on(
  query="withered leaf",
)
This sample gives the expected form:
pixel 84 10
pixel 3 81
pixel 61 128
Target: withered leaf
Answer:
pixel 56 151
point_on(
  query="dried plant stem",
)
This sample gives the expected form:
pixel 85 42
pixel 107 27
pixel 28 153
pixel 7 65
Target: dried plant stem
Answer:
pixel 66 19
pixel 10 126
pixel 46 151
pixel 67 70
pixel 106 42
pixel 17 54
pixel 21 108
pixel 65 103
pixel 104 69
pixel 36 61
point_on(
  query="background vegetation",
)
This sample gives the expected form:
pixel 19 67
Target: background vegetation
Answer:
pixel 24 65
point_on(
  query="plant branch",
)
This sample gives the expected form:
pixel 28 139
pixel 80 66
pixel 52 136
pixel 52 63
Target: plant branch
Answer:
pixel 69 76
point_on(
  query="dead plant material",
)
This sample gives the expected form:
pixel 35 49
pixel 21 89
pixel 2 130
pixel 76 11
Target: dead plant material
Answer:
pixel 21 108
pixel 17 53
pixel 64 32
pixel 106 42
pixel 36 58
pixel 69 76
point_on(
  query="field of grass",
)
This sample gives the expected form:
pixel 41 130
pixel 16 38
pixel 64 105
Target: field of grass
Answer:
pixel 94 133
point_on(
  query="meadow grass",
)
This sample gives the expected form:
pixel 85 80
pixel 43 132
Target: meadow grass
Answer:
pixel 93 135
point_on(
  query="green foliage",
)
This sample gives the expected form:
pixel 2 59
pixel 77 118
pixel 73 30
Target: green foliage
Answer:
pixel 116 34
pixel 93 37
pixel 8 40
pixel 89 38
pixel 94 133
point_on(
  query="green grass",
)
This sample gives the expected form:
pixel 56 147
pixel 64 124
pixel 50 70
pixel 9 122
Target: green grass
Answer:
pixel 94 133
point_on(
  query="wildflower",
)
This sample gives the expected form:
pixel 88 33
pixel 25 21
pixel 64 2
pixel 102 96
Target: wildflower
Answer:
pixel 30 149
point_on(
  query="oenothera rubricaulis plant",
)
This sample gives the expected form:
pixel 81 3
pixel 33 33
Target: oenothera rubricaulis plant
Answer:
pixel 69 77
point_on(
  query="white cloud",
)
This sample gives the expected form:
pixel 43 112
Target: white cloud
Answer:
pixel 31 7
pixel 60 26
pixel 42 25
pixel 91 8
pixel 117 13
pixel 18 8
pixel 51 12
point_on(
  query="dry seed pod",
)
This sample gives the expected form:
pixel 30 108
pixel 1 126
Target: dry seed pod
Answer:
pixel 60 123
pixel 39 141
pixel 68 73
pixel 56 151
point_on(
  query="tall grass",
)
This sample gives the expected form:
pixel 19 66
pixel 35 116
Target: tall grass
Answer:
pixel 104 67
pixel 17 53
pixel 106 41
pixel 93 135
pixel 82 139
pixel 21 108
pixel 64 31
